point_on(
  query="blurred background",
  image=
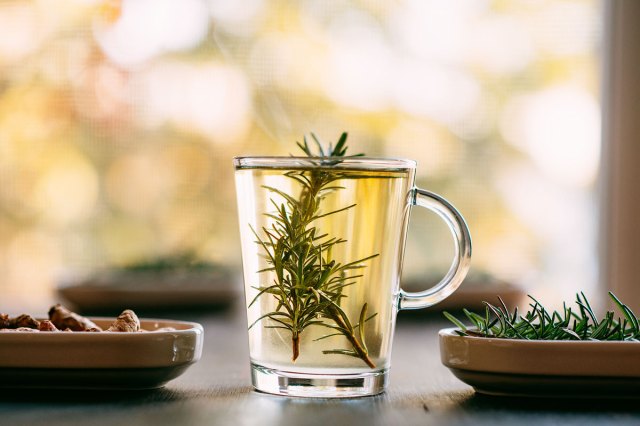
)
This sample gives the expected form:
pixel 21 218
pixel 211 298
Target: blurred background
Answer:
pixel 119 120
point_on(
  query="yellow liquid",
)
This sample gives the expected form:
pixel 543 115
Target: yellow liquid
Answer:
pixel 376 225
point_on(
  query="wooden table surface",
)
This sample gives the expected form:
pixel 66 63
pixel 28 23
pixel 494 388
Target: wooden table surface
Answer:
pixel 217 391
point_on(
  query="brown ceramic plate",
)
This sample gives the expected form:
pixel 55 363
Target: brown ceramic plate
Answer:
pixel 83 360
pixel 139 290
pixel 543 368
pixel 472 293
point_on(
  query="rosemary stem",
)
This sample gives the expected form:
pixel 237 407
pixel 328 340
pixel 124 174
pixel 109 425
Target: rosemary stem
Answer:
pixel 295 345
pixel 363 354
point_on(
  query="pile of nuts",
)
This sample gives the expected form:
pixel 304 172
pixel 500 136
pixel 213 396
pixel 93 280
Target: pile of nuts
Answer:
pixel 62 319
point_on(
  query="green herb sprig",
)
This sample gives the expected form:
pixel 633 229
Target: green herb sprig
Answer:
pixel 538 323
pixel 309 283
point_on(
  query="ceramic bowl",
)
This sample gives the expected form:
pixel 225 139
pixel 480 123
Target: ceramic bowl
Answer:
pixel 104 360
pixel 543 368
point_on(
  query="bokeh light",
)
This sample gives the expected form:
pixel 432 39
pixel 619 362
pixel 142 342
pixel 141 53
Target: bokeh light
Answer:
pixel 212 99
pixel 559 129
pixel 146 28
pixel 119 120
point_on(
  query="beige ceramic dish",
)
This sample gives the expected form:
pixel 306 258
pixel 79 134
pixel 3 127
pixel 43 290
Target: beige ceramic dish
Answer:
pixel 85 360
pixel 543 368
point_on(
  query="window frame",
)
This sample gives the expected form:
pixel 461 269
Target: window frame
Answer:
pixel 620 174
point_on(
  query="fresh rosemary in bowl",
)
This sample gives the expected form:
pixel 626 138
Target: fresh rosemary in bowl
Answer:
pixel 539 323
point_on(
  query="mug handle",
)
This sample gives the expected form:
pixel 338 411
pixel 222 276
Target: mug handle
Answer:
pixel 461 261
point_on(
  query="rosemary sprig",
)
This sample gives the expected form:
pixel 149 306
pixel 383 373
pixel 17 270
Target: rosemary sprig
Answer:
pixel 538 323
pixel 309 283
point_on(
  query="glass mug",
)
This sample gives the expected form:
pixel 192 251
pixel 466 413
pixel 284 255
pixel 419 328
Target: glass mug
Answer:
pixel 322 251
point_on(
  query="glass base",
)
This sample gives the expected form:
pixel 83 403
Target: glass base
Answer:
pixel 318 385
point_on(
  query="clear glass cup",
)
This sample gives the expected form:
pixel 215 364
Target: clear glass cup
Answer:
pixel 322 250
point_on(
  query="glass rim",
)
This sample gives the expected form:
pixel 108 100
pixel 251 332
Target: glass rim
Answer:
pixel 351 163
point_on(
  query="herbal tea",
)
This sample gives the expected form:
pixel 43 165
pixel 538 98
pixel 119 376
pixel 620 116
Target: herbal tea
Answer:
pixel 322 245
pixel 322 249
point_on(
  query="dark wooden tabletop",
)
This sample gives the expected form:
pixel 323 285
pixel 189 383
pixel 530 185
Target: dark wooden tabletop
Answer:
pixel 217 391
